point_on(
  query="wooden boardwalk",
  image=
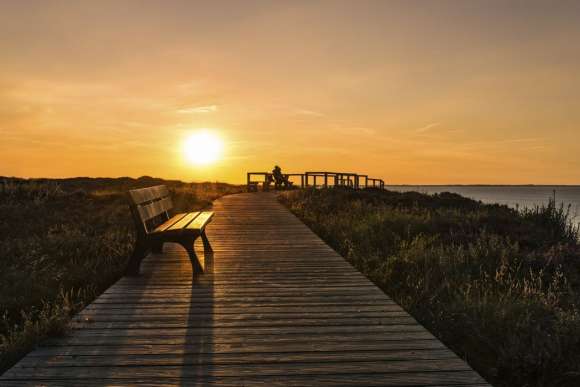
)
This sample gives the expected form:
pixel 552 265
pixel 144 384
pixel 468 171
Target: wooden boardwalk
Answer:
pixel 277 307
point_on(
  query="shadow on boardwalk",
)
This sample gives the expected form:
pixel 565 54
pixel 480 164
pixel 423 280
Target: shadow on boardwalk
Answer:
pixel 198 349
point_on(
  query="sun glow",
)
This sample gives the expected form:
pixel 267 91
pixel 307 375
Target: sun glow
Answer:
pixel 203 147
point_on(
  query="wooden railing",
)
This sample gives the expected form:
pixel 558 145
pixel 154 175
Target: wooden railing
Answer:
pixel 323 179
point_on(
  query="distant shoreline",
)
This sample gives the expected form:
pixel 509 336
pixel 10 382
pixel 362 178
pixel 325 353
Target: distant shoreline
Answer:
pixel 243 183
pixel 482 185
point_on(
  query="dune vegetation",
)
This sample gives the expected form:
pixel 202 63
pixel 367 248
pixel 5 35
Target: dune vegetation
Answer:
pixel 498 286
pixel 62 243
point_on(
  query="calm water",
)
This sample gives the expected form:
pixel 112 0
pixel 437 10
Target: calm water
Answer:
pixel 513 196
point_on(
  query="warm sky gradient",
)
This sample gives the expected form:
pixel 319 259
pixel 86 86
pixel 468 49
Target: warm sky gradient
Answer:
pixel 410 91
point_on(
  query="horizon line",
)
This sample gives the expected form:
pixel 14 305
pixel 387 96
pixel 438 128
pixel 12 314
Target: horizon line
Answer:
pixel 243 183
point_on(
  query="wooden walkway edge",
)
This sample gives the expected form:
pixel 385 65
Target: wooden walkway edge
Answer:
pixel 278 307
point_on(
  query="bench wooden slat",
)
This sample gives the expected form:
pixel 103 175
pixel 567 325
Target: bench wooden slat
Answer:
pixel 154 209
pixel 184 222
pixel 144 195
pixel 170 222
pixel 199 222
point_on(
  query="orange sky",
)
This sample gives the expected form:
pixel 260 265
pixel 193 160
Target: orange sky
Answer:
pixel 410 91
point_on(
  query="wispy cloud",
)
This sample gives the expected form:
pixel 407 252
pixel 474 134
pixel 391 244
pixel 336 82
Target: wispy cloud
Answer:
pixel 198 109
pixel 306 112
pixel 136 124
pixel 507 143
pixel 358 130
pixel 331 150
pixel 428 127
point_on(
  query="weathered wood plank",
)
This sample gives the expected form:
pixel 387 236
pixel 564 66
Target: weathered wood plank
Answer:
pixel 215 323
pixel 234 370
pixel 245 346
pixel 248 330
pixel 207 335
pixel 170 222
pixel 151 210
pixel 172 316
pixel 305 310
pixel 184 221
pixel 200 221
pixel 233 358
pixel 441 379
pixel 143 195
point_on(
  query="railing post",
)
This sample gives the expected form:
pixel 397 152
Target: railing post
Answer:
pixel 325 179
pixel 266 184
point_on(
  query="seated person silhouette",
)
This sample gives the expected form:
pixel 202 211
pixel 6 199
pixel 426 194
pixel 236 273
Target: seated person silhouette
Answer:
pixel 280 179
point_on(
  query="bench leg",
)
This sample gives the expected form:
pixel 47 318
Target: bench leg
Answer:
pixel 206 244
pixel 139 252
pixel 188 245
pixel 157 247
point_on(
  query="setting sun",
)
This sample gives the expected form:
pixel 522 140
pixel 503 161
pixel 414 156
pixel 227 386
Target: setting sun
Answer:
pixel 203 147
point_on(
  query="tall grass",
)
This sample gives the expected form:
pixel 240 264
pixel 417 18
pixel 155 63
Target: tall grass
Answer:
pixel 498 286
pixel 62 243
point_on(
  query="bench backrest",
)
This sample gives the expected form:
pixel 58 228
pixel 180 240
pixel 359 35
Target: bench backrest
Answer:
pixel 148 204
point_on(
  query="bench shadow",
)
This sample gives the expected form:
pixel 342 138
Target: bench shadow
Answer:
pixel 128 329
pixel 198 343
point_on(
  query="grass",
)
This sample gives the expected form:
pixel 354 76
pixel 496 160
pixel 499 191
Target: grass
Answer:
pixel 498 286
pixel 62 243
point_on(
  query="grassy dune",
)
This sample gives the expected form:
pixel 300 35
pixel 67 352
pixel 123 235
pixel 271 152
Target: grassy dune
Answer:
pixel 499 287
pixel 62 242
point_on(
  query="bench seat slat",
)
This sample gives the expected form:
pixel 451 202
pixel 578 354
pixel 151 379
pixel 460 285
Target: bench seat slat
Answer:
pixel 184 222
pixel 200 222
pixel 170 222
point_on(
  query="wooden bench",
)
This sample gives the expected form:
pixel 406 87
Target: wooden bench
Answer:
pixel 151 208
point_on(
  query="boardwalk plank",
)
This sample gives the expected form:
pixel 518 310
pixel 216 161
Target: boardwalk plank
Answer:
pixel 247 346
pixel 233 358
pixel 273 339
pixel 440 379
pixel 235 370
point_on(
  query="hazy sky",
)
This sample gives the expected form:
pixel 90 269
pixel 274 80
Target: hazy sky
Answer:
pixel 410 91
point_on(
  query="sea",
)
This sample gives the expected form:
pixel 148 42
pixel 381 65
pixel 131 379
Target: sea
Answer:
pixel 528 196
